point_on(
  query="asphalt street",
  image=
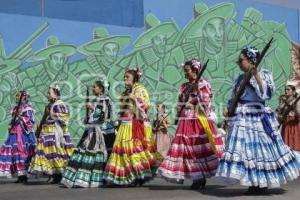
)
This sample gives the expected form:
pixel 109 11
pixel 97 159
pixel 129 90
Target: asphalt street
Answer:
pixel 158 189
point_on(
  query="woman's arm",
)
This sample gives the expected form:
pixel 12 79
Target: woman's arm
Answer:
pixel 263 84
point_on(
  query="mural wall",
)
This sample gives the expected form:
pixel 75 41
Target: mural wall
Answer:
pixel 216 32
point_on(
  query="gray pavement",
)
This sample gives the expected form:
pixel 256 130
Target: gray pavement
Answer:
pixel 158 189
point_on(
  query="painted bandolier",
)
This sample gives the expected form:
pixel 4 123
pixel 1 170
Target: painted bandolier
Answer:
pixel 86 165
pixel 18 149
pixel 134 158
pixel 255 154
pixel 196 147
pixel 54 146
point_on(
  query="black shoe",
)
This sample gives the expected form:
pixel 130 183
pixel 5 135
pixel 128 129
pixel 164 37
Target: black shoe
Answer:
pixel 202 183
pixel 25 180
pixel 104 184
pixel 196 185
pixel 256 190
pixel 18 180
pixel 134 183
pixel 55 181
pixel 263 190
pixel 50 179
pixel 141 182
pixel 252 190
pixel 21 179
pixel 56 178
pixel 199 184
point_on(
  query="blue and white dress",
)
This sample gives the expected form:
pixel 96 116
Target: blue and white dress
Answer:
pixel 255 154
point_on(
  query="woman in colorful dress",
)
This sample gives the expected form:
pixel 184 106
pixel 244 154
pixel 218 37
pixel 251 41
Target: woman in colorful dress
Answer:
pixel 18 149
pixel 255 154
pixel 160 130
pixel 86 166
pixel 54 146
pixel 291 124
pixel 134 158
pixel 196 148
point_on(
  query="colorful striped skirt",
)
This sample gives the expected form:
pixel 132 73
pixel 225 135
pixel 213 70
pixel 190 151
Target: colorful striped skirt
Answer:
pixel 14 161
pixel 191 154
pixel 51 156
pixel 133 157
pixel 85 169
pixel 255 154
pixel 86 166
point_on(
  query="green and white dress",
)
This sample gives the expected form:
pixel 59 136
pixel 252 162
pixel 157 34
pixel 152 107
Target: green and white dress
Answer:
pixel 86 166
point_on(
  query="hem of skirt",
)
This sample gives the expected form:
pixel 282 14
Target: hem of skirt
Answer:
pixel 8 174
pixel 80 184
pixel 179 178
pixel 41 171
pixel 128 181
pixel 236 179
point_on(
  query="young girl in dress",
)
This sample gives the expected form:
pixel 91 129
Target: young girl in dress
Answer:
pixel 160 130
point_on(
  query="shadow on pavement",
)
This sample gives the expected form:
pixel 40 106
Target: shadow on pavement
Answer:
pixel 233 192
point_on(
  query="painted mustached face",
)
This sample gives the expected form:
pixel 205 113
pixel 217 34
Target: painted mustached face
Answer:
pixel 214 32
pixel 111 51
pixel 57 60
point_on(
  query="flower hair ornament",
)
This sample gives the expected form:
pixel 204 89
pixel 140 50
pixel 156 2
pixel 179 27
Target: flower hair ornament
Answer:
pixel 196 64
pixel 139 71
pixel 251 53
pixel 136 70
pixel 56 89
pixel 106 85
pixel 25 95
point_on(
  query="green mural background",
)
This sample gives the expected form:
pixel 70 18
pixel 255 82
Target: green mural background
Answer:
pixel 213 33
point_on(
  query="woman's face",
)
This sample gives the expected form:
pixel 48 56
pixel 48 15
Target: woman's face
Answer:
pixel 244 63
pixel 18 95
pixel 189 73
pixel 159 108
pixel 97 90
pixel 51 95
pixel 289 91
pixel 128 79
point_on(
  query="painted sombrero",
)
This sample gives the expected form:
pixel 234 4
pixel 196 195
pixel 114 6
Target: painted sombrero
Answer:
pixel 53 45
pixel 8 65
pixel 100 38
pixel 203 14
pixel 154 28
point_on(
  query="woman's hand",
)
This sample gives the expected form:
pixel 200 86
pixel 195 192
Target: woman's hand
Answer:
pixel 19 115
pixel 132 96
pixel 47 111
pixel 253 69
pixel 225 112
pixel 257 77
pixel 90 106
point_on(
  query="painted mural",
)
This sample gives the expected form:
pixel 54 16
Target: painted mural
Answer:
pixel 214 33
